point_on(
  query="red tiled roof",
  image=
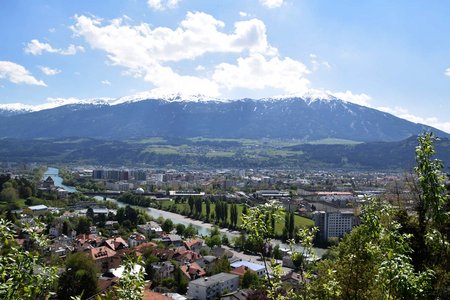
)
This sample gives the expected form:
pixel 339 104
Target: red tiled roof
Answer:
pixel 115 243
pixel 149 295
pixel 193 270
pixel 239 271
pixel 101 252
pixel 190 243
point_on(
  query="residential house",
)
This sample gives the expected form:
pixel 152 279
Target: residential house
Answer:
pixel 103 257
pixel 194 245
pixel 150 229
pixel 162 270
pixel 116 243
pixel 192 271
pixel 136 239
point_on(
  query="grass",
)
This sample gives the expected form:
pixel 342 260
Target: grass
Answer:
pixel 298 220
pixel 332 141
pixel 220 154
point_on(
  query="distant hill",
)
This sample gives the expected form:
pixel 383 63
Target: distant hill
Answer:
pixel 288 118
pixel 204 153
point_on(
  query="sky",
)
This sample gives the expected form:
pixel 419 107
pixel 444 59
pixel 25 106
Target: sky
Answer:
pixel 389 55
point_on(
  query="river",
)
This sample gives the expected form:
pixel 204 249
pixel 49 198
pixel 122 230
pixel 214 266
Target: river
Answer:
pixel 54 174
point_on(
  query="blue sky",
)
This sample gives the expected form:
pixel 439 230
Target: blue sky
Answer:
pixel 389 55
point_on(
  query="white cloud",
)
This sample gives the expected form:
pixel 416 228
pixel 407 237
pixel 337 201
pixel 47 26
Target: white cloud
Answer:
pixel 405 114
pixel 447 72
pixel 243 14
pixel 49 71
pixel 143 50
pixel 360 99
pixel 17 74
pixel 35 47
pixel 256 72
pixel 271 3
pixel 198 34
pixel 163 4
pixel 106 82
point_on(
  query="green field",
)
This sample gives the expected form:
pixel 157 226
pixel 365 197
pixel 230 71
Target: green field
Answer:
pixel 299 221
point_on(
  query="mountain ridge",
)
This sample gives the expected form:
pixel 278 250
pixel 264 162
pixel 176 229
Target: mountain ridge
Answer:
pixel 278 118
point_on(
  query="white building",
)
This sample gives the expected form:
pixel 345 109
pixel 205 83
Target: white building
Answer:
pixel 209 288
pixel 333 224
pixel 258 269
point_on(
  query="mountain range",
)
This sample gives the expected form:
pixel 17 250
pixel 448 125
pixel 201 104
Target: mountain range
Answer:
pixel 288 118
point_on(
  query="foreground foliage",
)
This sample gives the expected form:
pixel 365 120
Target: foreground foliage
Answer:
pixel 23 274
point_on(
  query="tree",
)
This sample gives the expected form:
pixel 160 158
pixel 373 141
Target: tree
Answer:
pixel 23 274
pixel 79 277
pixel 131 284
pixel 198 206
pixel 83 225
pixel 291 225
pixel 180 229
pixel 190 231
pixel 250 280
pixel 222 264
pixel 191 202
pixel 8 194
pixel 214 240
pixel 90 213
pixel 167 226
pixel 373 261
pixel 181 281
pixel 259 234
pixel 208 208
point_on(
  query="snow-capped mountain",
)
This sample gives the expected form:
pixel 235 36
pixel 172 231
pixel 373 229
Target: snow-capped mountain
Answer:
pixel 143 115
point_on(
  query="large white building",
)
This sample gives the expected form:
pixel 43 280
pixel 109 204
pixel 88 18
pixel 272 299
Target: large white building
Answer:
pixel 209 288
pixel 333 224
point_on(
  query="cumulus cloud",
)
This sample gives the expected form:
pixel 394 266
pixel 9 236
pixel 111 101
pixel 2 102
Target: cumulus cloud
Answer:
pixel 106 82
pixel 243 14
pixel 447 72
pixel 144 50
pixel 197 34
pixel 49 71
pixel 17 74
pixel 163 4
pixel 361 99
pixel 257 72
pixel 271 3
pixel 405 114
pixel 35 47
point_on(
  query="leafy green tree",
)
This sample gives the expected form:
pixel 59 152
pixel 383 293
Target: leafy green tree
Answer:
pixel 131 284
pixel 190 231
pixel 167 226
pixel 23 274
pixel 208 209
pixel 79 277
pixel 181 281
pixel 180 229
pixel 9 194
pixel 191 203
pixel 259 233
pixel 214 240
pixel 222 264
pixel 83 225
pixel 250 280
